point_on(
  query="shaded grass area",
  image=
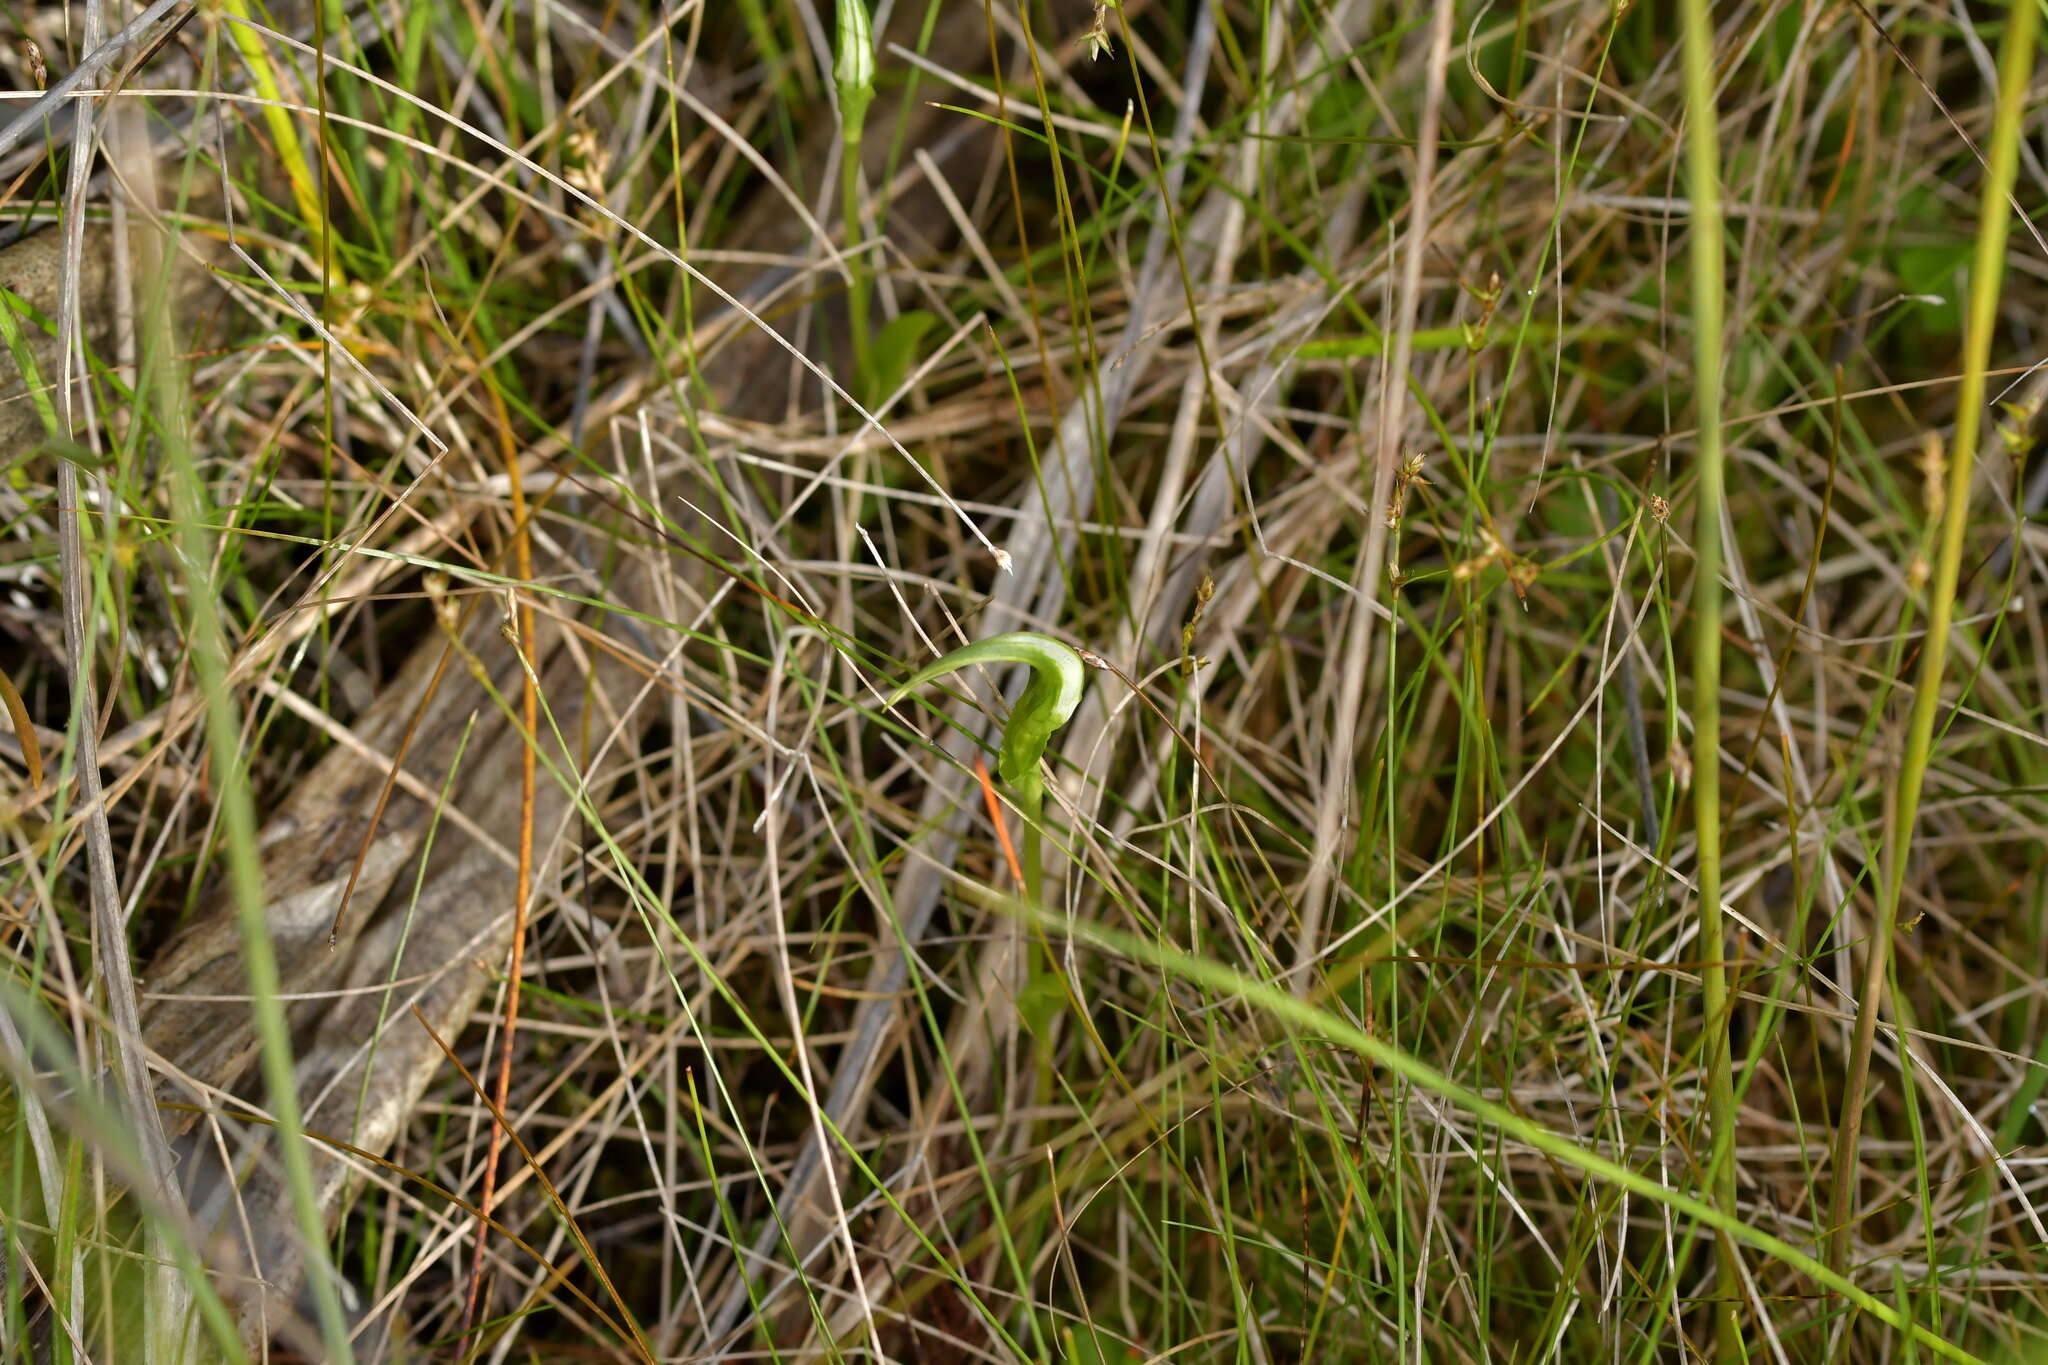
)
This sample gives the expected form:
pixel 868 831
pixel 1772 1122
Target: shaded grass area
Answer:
pixel 473 389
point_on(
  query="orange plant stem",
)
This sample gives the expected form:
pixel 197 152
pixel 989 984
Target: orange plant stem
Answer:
pixel 529 713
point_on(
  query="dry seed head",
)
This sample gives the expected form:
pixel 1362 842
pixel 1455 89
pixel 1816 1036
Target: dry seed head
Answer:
pixel 1408 474
pixel 1660 510
pixel 1096 40
pixel 1492 553
pixel 587 160
pixel 355 297
pixel 2016 432
pixel 1933 472
pixel 1489 300
pixel 436 586
pixel 1466 568
pixel 508 612
pixel 1204 591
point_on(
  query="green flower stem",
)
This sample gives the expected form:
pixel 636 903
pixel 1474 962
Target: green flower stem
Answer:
pixel 1047 702
pixel 2015 66
pixel 853 72
pixel 1703 175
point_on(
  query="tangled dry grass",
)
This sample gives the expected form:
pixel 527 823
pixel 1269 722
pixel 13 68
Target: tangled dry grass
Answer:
pixel 475 472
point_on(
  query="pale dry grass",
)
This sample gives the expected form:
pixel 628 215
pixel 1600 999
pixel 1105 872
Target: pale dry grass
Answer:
pixel 1377 499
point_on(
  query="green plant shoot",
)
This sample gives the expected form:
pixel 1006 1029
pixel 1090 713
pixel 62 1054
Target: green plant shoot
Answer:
pixel 1048 702
pixel 853 68
pixel 853 75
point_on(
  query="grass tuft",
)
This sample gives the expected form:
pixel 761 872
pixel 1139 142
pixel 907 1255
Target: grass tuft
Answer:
pixel 474 474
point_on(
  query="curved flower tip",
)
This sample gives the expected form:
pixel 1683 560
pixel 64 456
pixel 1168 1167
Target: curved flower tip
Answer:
pixel 1057 675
